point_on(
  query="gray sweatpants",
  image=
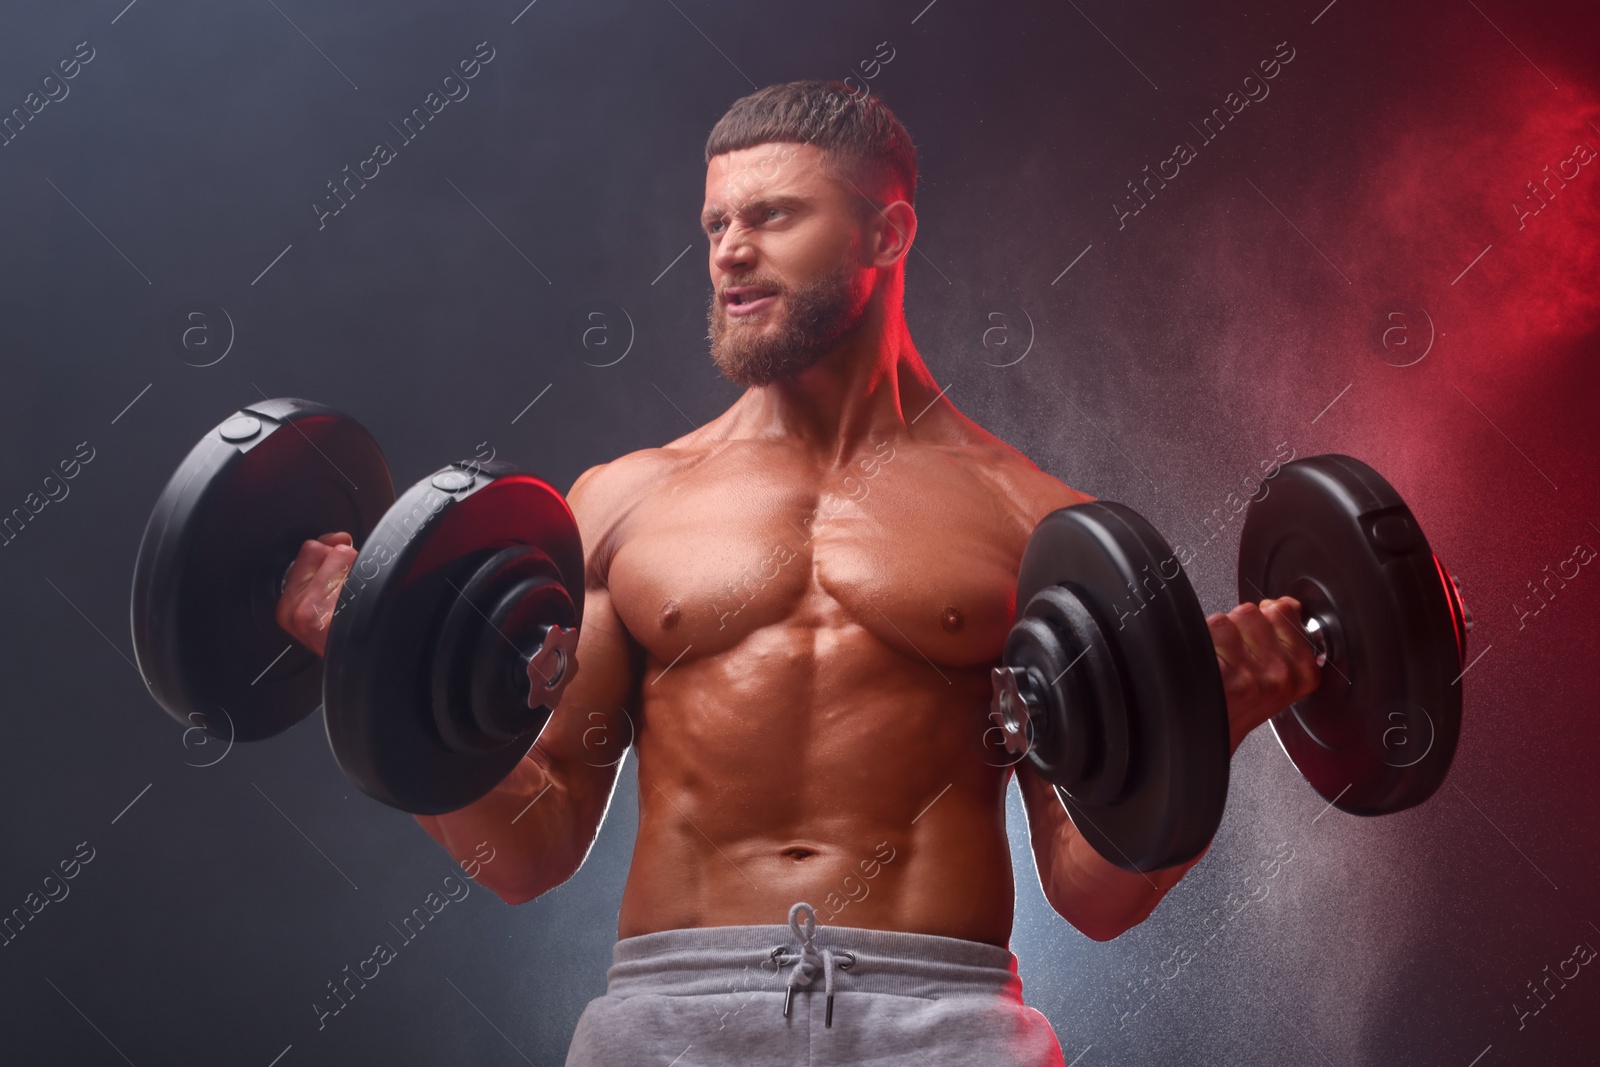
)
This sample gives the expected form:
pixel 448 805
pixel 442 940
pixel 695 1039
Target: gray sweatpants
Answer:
pixel 717 996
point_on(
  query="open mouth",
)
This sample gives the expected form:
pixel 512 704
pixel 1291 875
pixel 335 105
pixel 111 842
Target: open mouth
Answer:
pixel 748 299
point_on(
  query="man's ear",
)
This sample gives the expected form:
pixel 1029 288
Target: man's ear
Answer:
pixel 894 227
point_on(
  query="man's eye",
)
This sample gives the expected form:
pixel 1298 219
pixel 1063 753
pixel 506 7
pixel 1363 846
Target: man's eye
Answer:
pixel 771 211
pixel 714 227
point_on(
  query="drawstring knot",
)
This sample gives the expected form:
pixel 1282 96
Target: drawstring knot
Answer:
pixel 810 960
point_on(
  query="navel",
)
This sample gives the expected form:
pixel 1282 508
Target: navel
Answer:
pixel 670 614
pixel 951 620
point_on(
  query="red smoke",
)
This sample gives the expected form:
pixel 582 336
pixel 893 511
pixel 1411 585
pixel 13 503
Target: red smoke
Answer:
pixel 1514 169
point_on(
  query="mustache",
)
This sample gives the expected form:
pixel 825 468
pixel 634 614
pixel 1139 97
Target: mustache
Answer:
pixel 763 283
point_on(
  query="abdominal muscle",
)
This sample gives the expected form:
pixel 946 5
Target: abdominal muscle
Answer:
pixel 860 789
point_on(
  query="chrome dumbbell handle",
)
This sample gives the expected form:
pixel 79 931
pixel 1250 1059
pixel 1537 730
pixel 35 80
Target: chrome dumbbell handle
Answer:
pixel 552 668
pixel 1013 706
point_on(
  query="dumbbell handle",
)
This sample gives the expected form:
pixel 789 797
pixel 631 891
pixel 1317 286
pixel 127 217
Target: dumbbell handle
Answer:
pixel 1013 706
pixel 555 662
pixel 1324 632
pixel 1317 632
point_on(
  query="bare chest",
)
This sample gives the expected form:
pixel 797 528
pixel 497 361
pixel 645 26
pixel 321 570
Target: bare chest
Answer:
pixel 904 546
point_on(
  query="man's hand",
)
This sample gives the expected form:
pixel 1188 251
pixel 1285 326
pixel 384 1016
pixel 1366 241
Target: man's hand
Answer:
pixel 311 589
pixel 1267 662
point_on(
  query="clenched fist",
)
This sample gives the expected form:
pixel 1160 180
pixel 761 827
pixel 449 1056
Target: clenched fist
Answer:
pixel 1266 660
pixel 311 588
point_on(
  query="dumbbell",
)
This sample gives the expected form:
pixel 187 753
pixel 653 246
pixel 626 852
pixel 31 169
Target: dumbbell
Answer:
pixel 460 582
pixel 1388 624
pixel 1109 684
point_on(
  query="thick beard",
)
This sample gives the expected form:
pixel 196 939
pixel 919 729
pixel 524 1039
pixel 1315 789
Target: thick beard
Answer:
pixel 815 318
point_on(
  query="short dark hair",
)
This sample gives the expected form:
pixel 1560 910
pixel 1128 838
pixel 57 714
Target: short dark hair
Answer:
pixel 856 131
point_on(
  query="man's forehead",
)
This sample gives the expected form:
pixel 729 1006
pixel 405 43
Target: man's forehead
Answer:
pixel 772 167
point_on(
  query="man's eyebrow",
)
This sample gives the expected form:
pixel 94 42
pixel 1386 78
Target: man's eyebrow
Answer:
pixel 716 211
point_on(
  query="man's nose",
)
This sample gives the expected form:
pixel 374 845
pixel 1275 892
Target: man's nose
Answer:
pixel 735 251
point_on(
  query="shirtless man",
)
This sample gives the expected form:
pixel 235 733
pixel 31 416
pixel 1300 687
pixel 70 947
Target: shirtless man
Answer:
pixel 792 614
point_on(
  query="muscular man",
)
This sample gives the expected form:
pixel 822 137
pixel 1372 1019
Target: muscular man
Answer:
pixel 792 613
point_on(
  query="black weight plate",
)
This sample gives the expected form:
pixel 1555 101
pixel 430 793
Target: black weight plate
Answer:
pixel 214 552
pixel 1080 742
pixel 1380 731
pixel 1125 573
pixel 1059 745
pixel 480 694
pixel 379 687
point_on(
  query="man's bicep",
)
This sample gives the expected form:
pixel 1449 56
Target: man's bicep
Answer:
pixel 1048 834
pixel 593 723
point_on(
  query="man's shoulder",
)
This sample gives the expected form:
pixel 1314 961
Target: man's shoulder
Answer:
pixel 623 478
pixel 604 495
pixel 605 491
pixel 1015 478
pixel 623 481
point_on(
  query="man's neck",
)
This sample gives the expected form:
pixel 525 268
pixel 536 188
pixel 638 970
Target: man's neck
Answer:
pixel 872 385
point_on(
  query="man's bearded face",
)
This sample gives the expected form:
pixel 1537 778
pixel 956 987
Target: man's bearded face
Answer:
pixel 788 329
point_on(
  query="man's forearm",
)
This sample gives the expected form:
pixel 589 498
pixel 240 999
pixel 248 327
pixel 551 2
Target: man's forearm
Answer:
pixel 1095 895
pixel 1099 898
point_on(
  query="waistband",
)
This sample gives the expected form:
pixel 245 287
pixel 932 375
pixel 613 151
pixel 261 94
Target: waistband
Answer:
pixel 705 960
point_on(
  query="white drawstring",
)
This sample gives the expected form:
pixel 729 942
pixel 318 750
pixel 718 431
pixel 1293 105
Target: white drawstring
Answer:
pixel 810 959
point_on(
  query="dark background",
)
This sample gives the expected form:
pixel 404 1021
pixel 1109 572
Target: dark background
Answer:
pixel 1244 308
